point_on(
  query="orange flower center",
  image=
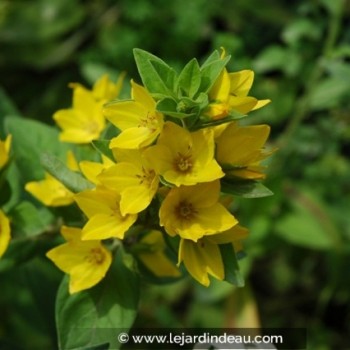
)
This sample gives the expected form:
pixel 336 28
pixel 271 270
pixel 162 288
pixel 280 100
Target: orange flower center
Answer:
pixel 150 122
pixel 184 163
pixel 96 256
pixel 146 177
pixel 185 211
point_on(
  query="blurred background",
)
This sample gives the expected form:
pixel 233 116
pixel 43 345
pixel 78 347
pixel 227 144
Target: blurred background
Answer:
pixel 297 267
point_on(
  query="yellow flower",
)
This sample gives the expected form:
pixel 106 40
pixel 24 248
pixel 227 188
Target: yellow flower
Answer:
pixel 5 150
pixel 86 262
pixel 5 233
pixel 203 258
pixel 230 93
pixel 84 122
pixel 240 150
pixel 184 158
pixel 154 257
pixel 105 90
pixel 194 211
pixel 138 120
pixel 102 207
pixel 133 178
pixel 50 191
pixel 91 170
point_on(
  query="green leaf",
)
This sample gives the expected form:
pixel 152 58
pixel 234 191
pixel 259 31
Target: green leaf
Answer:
pixel 214 56
pixel 94 317
pixel 6 192
pixel 302 229
pixel 301 28
pixel 28 220
pixel 309 224
pixel 30 139
pixel 169 107
pixel 189 79
pixel 245 188
pixel 72 180
pixel 155 74
pixel 211 72
pixel 334 7
pixel 103 147
pixel 274 57
pixel 229 258
pixel 204 123
pixel 330 92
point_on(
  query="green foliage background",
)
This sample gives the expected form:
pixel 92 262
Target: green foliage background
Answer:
pixel 298 253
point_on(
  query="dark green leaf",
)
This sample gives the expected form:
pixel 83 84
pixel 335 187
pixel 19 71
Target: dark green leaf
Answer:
pixel 72 180
pixel 6 193
pixel 21 250
pixel 94 317
pixel 232 273
pixel 245 188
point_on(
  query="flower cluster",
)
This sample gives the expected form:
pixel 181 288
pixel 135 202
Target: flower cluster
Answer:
pixel 167 176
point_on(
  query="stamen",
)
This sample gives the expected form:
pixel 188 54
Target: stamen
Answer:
pixel 96 256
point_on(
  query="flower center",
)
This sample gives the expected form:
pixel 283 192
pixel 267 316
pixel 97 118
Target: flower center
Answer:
pixel 91 127
pixel 146 177
pixel 183 163
pixel 149 122
pixel 185 211
pixel 96 256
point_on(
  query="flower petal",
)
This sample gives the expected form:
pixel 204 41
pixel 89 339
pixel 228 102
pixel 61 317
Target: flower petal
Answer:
pixel 104 226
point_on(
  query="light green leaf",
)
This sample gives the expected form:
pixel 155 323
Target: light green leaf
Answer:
pixel 274 57
pixel 299 29
pixel 94 317
pixel 211 72
pixel 72 180
pixel 302 229
pixel 245 188
pixel 330 92
pixel 155 74
pixel 30 139
pixel 334 7
pixel 309 224
pixel 214 56
pixel 169 107
pixel 189 79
